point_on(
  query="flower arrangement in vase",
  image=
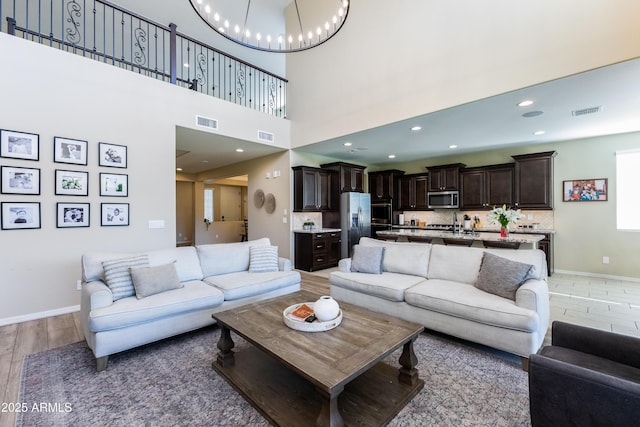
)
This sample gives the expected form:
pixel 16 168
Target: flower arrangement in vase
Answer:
pixel 504 216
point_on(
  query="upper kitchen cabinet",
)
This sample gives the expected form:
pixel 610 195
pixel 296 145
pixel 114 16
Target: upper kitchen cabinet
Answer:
pixel 534 180
pixel 351 176
pixel 486 187
pixel 444 177
pixel 412 194
pixel 383 185
pixel 315 189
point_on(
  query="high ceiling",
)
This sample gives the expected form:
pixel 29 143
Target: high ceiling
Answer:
pixel 599 102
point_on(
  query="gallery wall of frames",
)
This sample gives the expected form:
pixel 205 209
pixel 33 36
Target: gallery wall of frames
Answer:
pixel 72 179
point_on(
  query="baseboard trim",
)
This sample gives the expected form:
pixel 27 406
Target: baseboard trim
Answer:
pixel 599 276
pixel 39 315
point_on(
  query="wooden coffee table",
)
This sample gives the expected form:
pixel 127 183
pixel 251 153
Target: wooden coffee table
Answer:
pixel 325 378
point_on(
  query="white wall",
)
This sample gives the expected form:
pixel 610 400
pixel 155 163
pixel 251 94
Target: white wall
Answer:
pixel 53 93
pixel 396 60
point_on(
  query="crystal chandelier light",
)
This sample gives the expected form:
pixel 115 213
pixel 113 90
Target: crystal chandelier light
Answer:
pixel 274 25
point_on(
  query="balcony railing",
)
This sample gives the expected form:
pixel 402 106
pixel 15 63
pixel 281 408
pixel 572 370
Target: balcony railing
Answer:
pixel 105 32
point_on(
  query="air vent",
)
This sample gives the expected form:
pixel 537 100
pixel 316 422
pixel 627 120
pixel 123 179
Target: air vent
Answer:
pixel 590 110
pixel 265 136
pixel 207 122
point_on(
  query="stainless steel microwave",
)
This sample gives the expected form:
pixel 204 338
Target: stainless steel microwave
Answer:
pixel 443 200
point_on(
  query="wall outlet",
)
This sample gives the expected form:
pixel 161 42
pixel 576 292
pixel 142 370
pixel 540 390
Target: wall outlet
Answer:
pixel 217 236
pixel 605 260
pixel 78 285
pixel 284 219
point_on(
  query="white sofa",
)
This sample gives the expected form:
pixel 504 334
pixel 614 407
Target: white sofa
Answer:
pixel 213 278
pixel 434 285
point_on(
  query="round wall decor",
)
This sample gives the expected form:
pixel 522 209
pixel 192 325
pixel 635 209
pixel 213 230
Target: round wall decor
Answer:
pixel 258 198
pixel 270 203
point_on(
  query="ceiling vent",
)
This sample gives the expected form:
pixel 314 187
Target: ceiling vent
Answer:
pixel 584 111
pixel 207 122
pixel 265 136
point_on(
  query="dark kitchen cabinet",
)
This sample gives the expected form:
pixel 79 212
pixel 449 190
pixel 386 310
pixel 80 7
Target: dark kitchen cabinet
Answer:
pixel 314 189
pixel 487 187
pixel 445 177
pixel 383 185
pixel 534 180
pixel 546 245
pixel 351 177
pixel 413 191
pixel 317 251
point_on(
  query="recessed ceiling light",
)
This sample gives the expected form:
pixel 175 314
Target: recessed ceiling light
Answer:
pixel 533 113
pixel 205 161
pixel 416 128
pixel 525 103
pixel 347 144
pixel 539 132
pixel 179 169
pixel 239 150
pixel 453 146
pixel 392 156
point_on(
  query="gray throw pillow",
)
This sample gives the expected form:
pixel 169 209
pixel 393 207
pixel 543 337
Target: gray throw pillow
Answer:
pixel 501 276
pixel 367 259
pixel 154 280
pixel 117 275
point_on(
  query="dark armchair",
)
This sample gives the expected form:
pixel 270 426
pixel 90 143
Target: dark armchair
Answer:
pixel 587 377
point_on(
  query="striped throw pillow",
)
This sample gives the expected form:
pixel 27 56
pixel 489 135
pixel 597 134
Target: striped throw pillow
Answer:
pixel 118 277
pixel 263 259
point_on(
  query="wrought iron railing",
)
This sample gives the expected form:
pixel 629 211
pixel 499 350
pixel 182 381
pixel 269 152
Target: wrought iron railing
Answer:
pixel 105 32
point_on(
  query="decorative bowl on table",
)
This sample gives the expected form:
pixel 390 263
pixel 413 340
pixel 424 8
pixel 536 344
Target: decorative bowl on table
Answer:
pixel 299 324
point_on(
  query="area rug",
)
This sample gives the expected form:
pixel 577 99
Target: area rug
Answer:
pixel 171 383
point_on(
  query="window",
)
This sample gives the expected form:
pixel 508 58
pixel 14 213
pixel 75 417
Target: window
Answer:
pixel 627 201
pixel 208 204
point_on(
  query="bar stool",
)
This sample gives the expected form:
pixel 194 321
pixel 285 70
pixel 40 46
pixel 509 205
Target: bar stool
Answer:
pixel 419 239
pixel 388 238
pixel 458 242
pixel 502 245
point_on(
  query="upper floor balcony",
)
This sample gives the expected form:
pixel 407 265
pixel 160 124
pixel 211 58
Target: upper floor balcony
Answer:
pixel 105 32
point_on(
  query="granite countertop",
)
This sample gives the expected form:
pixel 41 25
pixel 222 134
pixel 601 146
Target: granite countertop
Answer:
pixel 512 229
pixel 489 236
pixel 319 230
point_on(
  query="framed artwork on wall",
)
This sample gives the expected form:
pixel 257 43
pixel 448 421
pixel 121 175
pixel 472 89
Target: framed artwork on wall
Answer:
pixel 72 183
pixel 114 184
pixel 114 214
pixel 67 150
pixel 585 190
pixel 16 180
pixel 20 215
pixel 72 215
pixel 112 155
pixel 19 145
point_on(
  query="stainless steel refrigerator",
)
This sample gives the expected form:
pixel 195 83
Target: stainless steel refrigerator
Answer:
pixel 355 220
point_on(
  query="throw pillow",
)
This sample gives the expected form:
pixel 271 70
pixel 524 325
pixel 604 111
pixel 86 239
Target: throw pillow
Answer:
pixel 501 276
pixel 117 276
pixel 263 259
pixel 367 259
pixel 153 280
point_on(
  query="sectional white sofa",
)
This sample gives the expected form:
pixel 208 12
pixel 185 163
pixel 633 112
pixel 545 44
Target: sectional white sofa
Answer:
pixel 211 278
pixel 439 287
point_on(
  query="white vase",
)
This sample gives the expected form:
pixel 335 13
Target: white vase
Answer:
pixel 326 308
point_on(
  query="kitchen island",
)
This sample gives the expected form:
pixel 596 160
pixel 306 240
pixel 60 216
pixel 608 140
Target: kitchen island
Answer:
pixel 515 240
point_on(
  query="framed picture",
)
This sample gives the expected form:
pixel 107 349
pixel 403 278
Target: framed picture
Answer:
pixel 19 145
pixel 17 216
pixel 114 214
pixel 112 155
pixel 585 190
pixel 16 180
pixel 66 150
pixel 72 183
pixel 114 184
pixel 72 215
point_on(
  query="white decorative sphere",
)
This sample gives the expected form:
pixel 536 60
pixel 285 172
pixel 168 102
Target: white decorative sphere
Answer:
pixel 326 308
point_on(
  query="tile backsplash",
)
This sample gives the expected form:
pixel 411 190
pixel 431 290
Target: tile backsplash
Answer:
pixel 544 219
pixel 299 218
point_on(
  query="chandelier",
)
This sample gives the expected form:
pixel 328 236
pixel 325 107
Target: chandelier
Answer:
pixel 274 25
